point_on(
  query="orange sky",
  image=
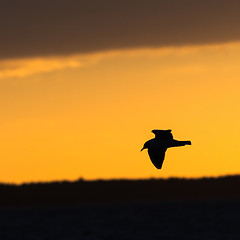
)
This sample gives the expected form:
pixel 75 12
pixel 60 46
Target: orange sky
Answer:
pixel 89 115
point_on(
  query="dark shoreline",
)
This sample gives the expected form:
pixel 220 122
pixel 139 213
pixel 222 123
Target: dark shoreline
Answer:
pixel 120 191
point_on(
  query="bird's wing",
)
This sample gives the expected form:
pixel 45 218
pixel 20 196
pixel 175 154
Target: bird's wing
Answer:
pixel 157 156
pixel 163 134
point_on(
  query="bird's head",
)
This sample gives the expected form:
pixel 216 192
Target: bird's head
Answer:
pixel 145 146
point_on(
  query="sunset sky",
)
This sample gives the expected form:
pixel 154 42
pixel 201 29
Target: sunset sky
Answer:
pixel 83 83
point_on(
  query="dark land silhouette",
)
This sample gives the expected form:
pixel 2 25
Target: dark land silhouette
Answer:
pixel 207 208
pixel 120 191
pixel 158 146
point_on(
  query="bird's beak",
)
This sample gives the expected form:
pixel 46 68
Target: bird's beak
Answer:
pixel 142 148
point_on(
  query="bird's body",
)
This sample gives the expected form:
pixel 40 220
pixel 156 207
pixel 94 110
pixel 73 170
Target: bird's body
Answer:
pixel 158 146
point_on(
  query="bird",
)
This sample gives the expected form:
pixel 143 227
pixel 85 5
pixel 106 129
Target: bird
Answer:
pixel 158 146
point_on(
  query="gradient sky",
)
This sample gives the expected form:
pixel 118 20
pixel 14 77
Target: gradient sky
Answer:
pixel 82 84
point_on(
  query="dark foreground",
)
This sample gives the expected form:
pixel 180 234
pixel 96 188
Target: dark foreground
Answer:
pixel 120 191
pixel 166 220
pixel 191 209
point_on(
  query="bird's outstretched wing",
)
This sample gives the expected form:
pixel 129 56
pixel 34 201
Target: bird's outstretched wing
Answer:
pixel 157 156
pixel 163 134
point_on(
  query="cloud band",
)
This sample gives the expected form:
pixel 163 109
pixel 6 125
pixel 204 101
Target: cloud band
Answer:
pixel 61 27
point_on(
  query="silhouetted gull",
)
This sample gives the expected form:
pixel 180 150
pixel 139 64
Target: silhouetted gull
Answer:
pixel 159 145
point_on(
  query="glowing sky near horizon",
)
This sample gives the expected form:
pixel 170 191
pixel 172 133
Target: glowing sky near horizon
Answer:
pixel 88 115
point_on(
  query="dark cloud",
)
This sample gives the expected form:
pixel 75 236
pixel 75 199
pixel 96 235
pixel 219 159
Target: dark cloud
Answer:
pixel 56 27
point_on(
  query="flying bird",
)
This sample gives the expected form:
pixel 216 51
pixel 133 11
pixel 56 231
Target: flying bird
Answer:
pixel 158 146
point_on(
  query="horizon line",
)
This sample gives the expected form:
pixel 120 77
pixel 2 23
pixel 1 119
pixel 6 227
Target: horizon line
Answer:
pixel 81 179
